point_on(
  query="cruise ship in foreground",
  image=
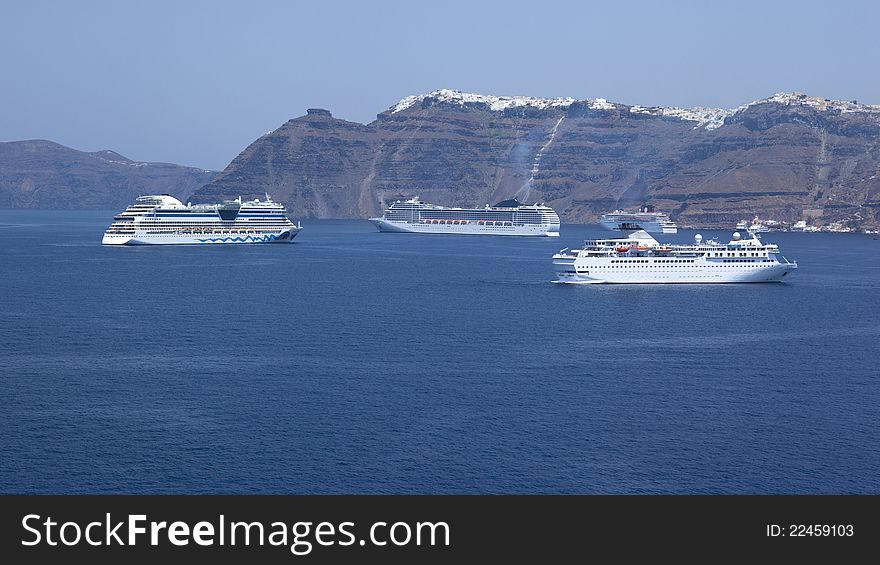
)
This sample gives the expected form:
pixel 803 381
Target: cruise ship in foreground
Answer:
pixel 645 219
pixel 505 218
pixel 164 220
pixel 639 258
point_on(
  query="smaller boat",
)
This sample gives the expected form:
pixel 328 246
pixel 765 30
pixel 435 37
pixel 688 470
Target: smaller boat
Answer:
pixel 755 227
pixel 646 218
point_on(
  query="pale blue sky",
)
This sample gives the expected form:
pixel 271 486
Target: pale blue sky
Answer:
pixel 196 82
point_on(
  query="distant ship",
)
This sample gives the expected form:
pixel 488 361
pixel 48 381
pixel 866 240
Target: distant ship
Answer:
pixel 509 217
pixel 165 220
pixel 755 227
pixel 639 258
pixel 646 219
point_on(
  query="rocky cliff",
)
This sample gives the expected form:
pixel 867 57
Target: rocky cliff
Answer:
pixel 43 174
pixel 786 157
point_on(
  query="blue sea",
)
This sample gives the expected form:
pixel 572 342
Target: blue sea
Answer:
pixel 353 361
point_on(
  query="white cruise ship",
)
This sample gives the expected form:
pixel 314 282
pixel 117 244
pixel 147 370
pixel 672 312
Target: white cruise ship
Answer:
pixel 505 218
pixel 639 258
pixel 645 219
pixel 163 220
pixel 755 227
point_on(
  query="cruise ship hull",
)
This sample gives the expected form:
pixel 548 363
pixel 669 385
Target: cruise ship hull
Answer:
pixel 285 236
pixel 469 228
pixel 569 270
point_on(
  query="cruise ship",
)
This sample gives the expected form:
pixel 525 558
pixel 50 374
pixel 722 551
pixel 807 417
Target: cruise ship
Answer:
pixel 639 258
pixel 646 219
pixel 509 217
pixel 165 220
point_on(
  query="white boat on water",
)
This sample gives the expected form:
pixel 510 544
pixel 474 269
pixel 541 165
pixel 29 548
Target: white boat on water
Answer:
pixel 755 227
pixel 646 219
pixel 165 220
pixel 509 217
pixel 639 258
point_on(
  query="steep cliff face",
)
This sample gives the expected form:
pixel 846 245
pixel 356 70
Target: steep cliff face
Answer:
pixel 785 157
pixel 315 164
pixel 786 161
pixel 460 156
pixel 43 174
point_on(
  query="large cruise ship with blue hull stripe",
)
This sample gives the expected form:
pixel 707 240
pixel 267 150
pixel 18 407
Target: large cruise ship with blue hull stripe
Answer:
pixel 165 220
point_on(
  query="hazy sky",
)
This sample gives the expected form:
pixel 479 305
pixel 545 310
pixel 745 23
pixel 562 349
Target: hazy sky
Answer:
pixel 196 82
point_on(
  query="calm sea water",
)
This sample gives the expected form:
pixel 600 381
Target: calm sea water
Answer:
pixel 358 362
